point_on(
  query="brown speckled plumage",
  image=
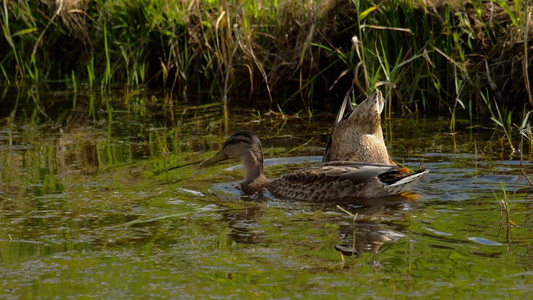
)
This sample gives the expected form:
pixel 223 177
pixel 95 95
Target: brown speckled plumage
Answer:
pixel 321 182
pixel 357 135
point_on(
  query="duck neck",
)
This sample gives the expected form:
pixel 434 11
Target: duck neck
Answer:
pixel 253 168
pixel 254 174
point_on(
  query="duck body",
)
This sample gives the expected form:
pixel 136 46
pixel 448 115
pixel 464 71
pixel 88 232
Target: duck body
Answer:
pixel 342 179
pixel 321 182
pixel 357 134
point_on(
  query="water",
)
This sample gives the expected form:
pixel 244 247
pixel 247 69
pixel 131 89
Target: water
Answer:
pixel 87 210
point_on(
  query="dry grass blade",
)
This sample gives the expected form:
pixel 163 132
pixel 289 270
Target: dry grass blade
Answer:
pixel 527 178
pixel 458 65
pixel 407 30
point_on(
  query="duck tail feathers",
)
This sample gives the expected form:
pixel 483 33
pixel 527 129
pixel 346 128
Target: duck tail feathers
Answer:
pixel 406 184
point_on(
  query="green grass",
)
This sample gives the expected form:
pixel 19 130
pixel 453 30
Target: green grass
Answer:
pixel 428 57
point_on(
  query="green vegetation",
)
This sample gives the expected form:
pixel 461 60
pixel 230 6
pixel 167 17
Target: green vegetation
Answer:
pixel 441 55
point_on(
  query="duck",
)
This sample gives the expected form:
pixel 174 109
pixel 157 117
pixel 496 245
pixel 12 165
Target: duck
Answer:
pixel 357 134
pixel 325 181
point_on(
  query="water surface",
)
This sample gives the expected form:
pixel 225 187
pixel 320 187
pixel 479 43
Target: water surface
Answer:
pixel 88 210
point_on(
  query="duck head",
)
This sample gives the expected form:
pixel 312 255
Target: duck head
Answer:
pixel 246 147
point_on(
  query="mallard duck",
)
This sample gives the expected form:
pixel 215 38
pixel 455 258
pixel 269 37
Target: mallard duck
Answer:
pixel 357 134
pixel 320 182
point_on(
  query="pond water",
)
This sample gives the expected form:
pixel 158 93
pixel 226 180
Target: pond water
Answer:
pixel 88 210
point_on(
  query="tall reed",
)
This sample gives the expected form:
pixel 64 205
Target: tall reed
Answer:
pixel 431 56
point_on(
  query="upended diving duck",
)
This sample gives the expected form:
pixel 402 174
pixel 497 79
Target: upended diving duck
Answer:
pixel 321 182
pixel 357 134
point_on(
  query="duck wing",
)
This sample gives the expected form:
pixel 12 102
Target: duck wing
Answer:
pixel 339 171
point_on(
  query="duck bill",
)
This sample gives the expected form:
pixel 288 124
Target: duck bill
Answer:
pixel 220 156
